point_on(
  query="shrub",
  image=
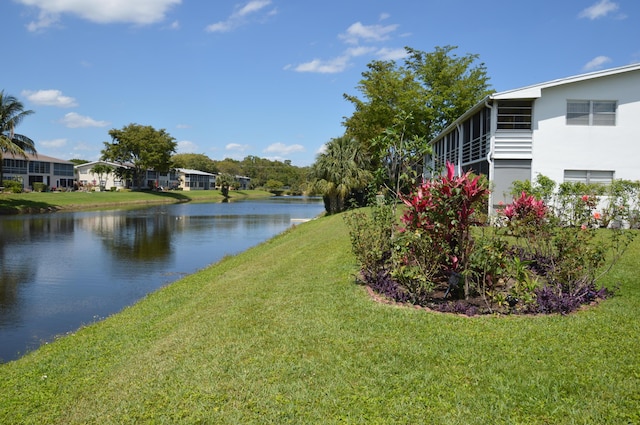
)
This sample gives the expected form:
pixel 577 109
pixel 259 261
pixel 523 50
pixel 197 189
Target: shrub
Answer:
pixel 39 187
pixel 541 260
pixel 12 186
pixel 441 212
pixel 371 237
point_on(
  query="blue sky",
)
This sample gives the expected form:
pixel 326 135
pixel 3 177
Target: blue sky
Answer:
pixel 267 77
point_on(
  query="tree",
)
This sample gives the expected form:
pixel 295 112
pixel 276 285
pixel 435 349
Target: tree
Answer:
pixel 229 166
pixel 453 84
pixel 78 161
pixel 101 170
pixel 416 100
pixel 400 157
pixel 224 181
pixel 141 146
pixel 388 91
pixel 195 161
pixel 339 172
pixel 11 115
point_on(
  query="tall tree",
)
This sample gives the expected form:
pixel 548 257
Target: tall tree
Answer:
pixel 412 101
pixel 453 83
pixel 388 91
pixel 143 147
pixel 11 115
pixel 195 161
pixel 339 172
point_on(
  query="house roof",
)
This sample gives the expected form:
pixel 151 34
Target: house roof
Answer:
pixel 36 157
pixel 92 163
pixel 535 91
pixel 197 172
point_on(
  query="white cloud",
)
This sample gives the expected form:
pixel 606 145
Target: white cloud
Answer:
pixel 358 32
pixel 237 147
pixel 186 146
pixel 354 35
pixel 596 63
pixel 183 126
pixel 282 149
pixel 599 10
pixel 53 144
pixel 239 17
pixel 50 98
pixel 139 12
pixel 331 66
pixel 387 54
pixel 75 120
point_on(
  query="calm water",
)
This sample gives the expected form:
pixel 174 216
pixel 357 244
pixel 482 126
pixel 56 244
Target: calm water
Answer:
pixel 61 271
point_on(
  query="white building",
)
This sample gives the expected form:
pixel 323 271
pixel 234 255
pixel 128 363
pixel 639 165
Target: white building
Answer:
pixel 53 172
pixel 581 128
pixel 86 178
pixel 195 180
pixel 184 179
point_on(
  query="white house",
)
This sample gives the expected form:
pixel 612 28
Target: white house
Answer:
pixel 581 128
pixel 88 179
pixel 53 172
pixel 195 180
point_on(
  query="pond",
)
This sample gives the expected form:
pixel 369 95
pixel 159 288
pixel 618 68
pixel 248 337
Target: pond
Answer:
pixel 64 270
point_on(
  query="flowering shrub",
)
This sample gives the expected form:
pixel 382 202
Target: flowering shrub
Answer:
pixel 542 260
pixel 441 211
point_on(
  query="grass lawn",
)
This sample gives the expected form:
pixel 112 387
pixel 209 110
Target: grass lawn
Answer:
pixel 35 201
pixel 282 334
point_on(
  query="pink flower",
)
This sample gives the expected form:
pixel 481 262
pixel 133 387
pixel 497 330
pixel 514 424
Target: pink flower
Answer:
pixel 585 198
pixel 583 227
pixel 597 215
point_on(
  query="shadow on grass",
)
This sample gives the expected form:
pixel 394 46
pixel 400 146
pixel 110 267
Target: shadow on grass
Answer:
pixel 171 194
pixel 19 206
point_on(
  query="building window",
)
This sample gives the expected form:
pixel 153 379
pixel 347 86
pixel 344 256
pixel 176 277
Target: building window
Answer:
pixel 14 166
pixel 63 169
pixel 514 115
pixel 39 167
pixel 591 112
pixel 588 176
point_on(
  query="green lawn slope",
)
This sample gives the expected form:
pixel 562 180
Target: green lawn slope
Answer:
pixel 15 203
pixel 282 334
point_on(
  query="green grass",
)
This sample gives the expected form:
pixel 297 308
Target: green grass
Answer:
pixel 282 334
pixel 43 201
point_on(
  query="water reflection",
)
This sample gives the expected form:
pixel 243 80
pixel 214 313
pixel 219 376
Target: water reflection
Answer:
pixel 59 271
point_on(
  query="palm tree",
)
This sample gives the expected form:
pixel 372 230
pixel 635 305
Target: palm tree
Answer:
pixel 338 172
pixel 11 114
pixel 101 170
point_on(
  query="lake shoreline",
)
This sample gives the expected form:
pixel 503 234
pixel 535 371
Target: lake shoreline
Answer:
pixel 51 202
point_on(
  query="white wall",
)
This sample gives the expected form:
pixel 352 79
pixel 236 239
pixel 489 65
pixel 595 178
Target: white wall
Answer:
pixel 557 146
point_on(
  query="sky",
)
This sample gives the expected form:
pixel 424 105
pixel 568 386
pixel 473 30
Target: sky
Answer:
pixel 266 78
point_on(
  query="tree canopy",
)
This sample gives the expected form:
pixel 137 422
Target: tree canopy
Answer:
pixel 403 106
pixel 12 113
pixel 194 161
pixel 141 146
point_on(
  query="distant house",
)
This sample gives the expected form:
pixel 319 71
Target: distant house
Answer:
pixel 195 180
pixel 584 128
pixel 244 182
pixel 88 179
pixel 152 179
pixel 53 172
